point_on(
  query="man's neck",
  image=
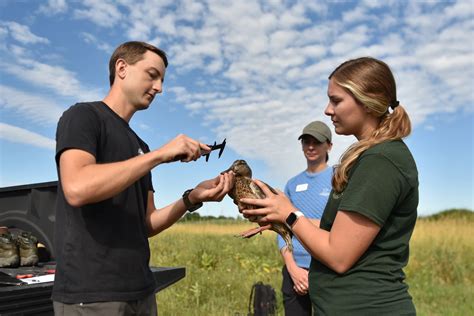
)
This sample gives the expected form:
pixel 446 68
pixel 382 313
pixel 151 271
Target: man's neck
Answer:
pixel 117 103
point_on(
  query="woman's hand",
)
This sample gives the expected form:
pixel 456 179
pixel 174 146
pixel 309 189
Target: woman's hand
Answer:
pixel 299 276
pixel 273 208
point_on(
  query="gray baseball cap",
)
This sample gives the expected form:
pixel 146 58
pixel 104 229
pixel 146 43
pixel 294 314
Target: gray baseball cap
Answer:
pixel 318 130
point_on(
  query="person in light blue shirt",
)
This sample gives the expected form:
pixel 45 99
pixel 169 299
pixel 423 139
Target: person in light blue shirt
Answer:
pixel 309 192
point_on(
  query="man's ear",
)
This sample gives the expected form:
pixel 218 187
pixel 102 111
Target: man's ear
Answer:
pixel 121 68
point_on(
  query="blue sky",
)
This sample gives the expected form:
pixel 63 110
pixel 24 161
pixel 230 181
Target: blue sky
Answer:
pixel 254 72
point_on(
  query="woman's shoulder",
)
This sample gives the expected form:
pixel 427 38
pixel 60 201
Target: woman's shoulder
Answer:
pixel 397 153
pixel 387 147
pixel 394 150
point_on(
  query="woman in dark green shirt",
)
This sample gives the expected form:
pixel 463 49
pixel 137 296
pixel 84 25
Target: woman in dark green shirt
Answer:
pixel 362 244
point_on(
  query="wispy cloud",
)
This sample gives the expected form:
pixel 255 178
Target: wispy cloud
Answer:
pixel 55 78
pixel 261 67
pixel 51 82
pixel 53 7
pixel 22 33
pixel 264 66
pixel 20 135
pixel 102 12
pixel 36 108
pixel 91 39
pixel 24 63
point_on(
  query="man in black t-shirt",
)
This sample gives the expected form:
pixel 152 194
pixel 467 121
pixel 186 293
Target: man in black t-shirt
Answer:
pixel 105 208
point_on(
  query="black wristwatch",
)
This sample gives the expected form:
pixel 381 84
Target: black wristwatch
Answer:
pixel 190 207
pixel 292 218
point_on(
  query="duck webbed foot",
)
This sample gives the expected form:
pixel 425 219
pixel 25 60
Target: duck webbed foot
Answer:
pixel 252 232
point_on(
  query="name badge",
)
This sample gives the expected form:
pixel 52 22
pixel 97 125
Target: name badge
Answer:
pixel 301 187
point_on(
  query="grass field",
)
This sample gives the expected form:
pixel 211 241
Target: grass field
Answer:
pixel 221 268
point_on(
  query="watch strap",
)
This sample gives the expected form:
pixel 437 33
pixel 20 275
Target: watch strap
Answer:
pixel 189 206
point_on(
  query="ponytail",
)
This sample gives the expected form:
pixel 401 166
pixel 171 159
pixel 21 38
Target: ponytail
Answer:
pixel 371 83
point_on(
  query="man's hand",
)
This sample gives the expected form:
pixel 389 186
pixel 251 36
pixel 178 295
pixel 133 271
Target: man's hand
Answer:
pixel 182 148
pixel 213 189
pixel 209 190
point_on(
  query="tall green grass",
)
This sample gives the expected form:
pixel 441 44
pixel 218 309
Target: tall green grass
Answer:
pixel 440 272
pixel 221 268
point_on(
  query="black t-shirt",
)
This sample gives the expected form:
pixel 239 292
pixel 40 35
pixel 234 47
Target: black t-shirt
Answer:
pixel 102 248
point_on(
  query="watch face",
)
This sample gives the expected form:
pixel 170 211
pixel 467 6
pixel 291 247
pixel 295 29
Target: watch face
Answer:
pixel 290 220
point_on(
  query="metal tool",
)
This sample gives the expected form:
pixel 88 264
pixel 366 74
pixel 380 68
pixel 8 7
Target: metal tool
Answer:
pixel 216 146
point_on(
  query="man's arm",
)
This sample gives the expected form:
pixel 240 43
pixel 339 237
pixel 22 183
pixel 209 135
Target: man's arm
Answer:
pixel 85 181
pixel 158 220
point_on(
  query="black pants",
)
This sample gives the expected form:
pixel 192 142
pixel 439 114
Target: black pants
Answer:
pixel 295 305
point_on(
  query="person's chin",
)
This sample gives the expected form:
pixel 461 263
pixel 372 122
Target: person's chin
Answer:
pixel 144 106
pixel 339 130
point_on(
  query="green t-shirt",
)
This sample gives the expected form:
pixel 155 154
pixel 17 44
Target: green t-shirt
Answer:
pixel 382 186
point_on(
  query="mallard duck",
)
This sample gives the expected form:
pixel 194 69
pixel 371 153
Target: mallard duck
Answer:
pixel 244 187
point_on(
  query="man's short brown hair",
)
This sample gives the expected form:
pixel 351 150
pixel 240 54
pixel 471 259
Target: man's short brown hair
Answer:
pixel 132 52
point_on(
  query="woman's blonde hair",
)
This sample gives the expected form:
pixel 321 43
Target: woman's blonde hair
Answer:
pixel 371 83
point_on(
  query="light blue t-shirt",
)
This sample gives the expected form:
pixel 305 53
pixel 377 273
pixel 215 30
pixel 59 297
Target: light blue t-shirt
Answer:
pixel 309 193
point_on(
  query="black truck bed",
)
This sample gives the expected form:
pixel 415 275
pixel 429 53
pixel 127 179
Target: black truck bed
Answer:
pixel 32 208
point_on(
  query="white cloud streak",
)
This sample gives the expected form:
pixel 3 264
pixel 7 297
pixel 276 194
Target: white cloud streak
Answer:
pixel 102 12
pixel 23 64
pixel 53 7
pixel 22 33
pixel 55 78
pixel 53 82
pixel 22 136
pixel 36 108
pixel 91 39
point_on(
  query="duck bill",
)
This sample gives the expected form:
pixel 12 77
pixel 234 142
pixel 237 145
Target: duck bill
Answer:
pixel 227 170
